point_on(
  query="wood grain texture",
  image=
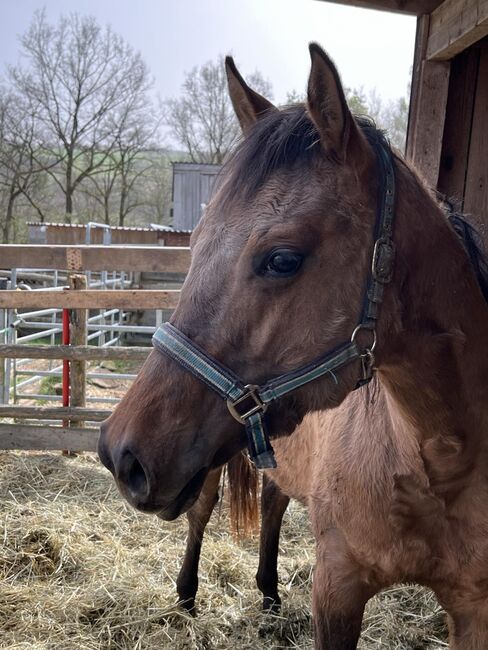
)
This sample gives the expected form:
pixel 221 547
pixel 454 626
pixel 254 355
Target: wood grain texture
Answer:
pixel 454 26
pixel 47 437
pixel 89 299
pixel 87 352
pixel 95 258
pixel 53 413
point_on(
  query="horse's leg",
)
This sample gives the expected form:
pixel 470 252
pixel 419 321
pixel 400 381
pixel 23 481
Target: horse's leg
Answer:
pixel 273 506
pixel 339 594
pixel 198 516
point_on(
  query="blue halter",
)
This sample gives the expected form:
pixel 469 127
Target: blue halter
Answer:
pixel 248 403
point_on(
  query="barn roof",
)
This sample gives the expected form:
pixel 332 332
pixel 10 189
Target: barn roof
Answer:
pixel 152 227
pixel 412 7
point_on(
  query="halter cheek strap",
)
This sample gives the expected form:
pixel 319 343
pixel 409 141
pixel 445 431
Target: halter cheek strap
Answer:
pixel 248 403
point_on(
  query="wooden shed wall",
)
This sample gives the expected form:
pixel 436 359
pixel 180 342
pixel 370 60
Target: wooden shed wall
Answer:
pixel 448 123
pixel 192 186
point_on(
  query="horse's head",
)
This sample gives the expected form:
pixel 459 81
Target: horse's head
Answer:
pixel 279 265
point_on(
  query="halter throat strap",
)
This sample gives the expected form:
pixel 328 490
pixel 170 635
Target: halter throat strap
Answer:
pixel 247 403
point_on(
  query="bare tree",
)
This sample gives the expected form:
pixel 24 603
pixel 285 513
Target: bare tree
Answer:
pixel 87 82
pixel 202 119
pixel 20 157
pixel 121 179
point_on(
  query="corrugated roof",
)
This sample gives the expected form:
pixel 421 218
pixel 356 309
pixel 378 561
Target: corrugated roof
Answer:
pixel 39 224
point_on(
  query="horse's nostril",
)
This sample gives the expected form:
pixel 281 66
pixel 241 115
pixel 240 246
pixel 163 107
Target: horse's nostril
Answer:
pixel 137 478
pixel 132 474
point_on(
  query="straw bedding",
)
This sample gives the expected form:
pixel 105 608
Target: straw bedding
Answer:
pixel 79 569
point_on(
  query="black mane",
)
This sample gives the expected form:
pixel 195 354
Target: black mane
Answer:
pixel 283 140
pixel 473 245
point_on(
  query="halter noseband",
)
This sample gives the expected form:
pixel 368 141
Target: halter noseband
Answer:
pixel 248 403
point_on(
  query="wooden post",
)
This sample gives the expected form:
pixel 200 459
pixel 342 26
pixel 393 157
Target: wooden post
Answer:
pixel 78 336
pixel 3 324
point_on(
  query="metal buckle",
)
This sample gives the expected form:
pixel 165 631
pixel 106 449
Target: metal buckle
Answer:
pixel 383 258
pixel 360 327
pixel 252 394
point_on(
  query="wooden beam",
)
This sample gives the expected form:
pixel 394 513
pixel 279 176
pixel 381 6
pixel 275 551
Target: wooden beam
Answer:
pixel 86 352
pixel 53 413
pixel 421 36
pixel 78 324
pixel 90 299
pixel 458 124
pixel 96 258
pixel 26 436
pixel 476 190
pixel 426 144
pixel 454 26
pixel 412 7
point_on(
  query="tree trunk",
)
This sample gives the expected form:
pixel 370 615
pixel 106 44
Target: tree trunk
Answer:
pixel 106 209
pixel 9 216
pixel 69 189
pixel 123 198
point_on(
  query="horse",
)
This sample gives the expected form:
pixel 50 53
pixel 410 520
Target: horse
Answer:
pixel 324 264
pixel 243 485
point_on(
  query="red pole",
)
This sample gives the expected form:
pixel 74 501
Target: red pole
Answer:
pixel 65 362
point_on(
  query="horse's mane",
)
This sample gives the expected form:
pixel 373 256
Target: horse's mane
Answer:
pixel 472 242
pixel 288 139
pixel 282 140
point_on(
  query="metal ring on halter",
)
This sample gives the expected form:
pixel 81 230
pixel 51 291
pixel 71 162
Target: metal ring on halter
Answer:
pixel 364 327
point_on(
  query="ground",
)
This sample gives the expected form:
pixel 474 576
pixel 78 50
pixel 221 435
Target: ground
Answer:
pixel 81 570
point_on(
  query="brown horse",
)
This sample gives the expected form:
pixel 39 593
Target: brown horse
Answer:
pixel 243 510
pixel 395 478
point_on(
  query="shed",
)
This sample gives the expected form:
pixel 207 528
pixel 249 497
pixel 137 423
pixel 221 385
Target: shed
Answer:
pixel 61 233
pixel 447 138
pixel 192 187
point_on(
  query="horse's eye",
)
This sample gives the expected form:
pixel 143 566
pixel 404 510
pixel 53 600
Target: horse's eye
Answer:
pixel 283 263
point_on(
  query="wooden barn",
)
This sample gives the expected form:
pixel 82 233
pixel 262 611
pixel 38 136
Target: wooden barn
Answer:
pixel 447 136
pixel 192 186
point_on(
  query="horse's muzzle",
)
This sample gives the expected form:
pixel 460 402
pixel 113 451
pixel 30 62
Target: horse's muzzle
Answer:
pixel 140 488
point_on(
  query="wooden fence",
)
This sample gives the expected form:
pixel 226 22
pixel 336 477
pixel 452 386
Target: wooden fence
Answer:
pixel 73 433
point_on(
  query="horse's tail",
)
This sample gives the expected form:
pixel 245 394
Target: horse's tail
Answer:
pixel 243 488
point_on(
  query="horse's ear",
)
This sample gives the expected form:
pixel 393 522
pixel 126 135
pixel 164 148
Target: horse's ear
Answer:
pixel 327 105
pixel 248 104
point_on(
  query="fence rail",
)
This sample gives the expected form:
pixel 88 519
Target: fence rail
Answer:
pixel 90 299
pixel 73 425
pixel 96 258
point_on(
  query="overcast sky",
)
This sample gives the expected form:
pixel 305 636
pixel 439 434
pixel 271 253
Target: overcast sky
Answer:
pixel 371 48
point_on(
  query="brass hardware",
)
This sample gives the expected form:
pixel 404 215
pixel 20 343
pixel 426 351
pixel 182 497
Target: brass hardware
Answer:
pixel 252 394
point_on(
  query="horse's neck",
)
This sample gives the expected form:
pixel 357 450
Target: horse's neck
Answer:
pixel 436 373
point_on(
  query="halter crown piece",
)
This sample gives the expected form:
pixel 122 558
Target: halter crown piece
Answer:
pixel 248 403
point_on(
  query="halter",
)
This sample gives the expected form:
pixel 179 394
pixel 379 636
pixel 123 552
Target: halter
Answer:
pixel 247 403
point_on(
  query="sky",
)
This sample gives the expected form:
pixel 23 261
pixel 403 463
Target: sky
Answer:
pixel 372 49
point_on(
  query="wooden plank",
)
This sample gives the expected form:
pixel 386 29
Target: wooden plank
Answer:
pixel 414 7
pixel 454 26
pixel 53 413
pixel 427 137
pixel 26 436
pixel 87 352
pixel 457 128
pixel 421 37
pixel 90 299
pixel 96 258
pixel 78 336
pixel 476 190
